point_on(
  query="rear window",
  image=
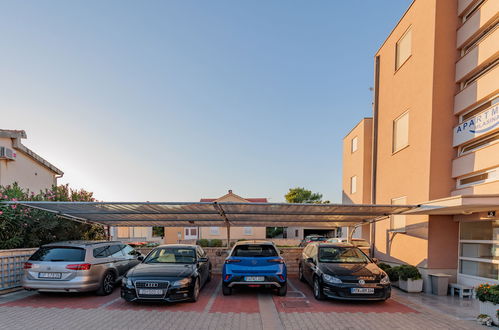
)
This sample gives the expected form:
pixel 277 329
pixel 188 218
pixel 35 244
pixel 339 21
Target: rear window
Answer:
pixel 317 239
pixel 254 250
pixel 58 254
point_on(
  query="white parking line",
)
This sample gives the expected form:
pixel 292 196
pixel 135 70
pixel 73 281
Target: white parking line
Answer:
pixel 213 297
pixel 294 289
pixel 110 302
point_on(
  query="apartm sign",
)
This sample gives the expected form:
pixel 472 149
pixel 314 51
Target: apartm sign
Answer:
pixel 475 126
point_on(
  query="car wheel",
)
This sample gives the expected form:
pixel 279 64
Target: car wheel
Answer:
pixel 107 284
pixel 318 293
pixel 195 291
pixel 300 273
pixel 226 290
pixel 282 290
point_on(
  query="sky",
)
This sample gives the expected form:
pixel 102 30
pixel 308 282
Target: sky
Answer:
pixel 182 100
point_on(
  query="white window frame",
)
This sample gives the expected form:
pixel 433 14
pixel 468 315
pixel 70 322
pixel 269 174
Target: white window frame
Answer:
pixel 398 216
pixel 248 231
pixel 491 178
pixel 480 138
pixel 354 144
pixel 394 131
pixel 353 184
pixel 215 231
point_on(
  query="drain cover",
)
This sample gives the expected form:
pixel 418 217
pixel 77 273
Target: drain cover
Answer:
pixel 295 304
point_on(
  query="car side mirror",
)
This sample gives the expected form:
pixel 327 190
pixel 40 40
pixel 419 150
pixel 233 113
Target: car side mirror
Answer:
pixel 202 259
pixel 311 260
pixel 375 260
pixel 140 258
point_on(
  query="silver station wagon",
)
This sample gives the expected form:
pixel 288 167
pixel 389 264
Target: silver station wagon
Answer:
pixel 77 266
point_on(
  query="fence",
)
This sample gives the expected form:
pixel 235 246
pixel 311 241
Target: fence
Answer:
pixel 11 267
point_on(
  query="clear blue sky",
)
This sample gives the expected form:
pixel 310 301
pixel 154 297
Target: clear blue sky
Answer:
pixel 178 100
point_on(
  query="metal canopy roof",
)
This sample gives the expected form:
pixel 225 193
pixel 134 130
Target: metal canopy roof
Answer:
pixel 171 214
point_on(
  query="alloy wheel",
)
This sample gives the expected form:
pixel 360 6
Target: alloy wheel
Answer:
pixel 108 283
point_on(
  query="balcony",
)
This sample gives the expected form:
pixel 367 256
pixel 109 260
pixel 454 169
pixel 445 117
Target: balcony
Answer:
pixel 475 161
pixel 482 17
pixel 481 54
pixel 483 87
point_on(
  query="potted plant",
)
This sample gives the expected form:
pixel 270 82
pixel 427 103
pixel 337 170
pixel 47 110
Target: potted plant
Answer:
pixel 392 273
pixel 488 296
pixel 410 279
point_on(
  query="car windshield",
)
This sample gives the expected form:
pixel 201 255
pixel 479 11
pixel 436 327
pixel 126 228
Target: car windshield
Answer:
pixel 171 255
pixel 254 250
pixel 316 239
pixel 342 255
pixel 54 253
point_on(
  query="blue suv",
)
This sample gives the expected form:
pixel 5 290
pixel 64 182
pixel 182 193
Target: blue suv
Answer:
pixel 254 264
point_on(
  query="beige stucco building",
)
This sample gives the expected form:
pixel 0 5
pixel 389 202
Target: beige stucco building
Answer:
pixel 433 140
pixel 22 165
pixel 176 234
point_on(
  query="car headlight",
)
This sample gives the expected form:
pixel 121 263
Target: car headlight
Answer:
pixel 182 282
pixel 385 280
pixel 331 279
pixel 128 281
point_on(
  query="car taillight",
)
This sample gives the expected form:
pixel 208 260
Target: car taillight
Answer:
pixel 281 277
pixel 230 261
pixel 79 266
pixel 28 265
pixel 278 260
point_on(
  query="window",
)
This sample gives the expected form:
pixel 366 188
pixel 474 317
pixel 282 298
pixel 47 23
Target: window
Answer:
pixel 214 230
pixel 403 49
pixel 123 232
pixel 248 231
pixel 116 251
pixel 397 221
pixel 354 145
pixel 479 74
pixel 478 144
pixel 483 106
pixel 479 249
pixel 401 132
pixel 487 176
pixel 255 251
pixel 101 252
pixel 140 232
pixel 56 254
pixel 296 232
pixel 353 184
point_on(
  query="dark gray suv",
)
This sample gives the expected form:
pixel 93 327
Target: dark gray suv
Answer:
pixel 77 266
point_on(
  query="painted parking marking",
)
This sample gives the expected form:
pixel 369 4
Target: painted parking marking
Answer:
pixel 85 300
pixel 184 306
pixel 243 300
pixel 290 304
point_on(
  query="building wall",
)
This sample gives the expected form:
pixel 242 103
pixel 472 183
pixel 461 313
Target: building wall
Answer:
pixel 235 233
pixel 27 172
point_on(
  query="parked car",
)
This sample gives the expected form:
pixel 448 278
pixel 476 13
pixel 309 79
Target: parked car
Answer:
pixel 173 272
pixel 312 238
pixel 254 264
pixel 342 271
pixel 77 266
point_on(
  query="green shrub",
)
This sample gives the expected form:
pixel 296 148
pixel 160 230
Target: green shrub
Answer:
pixel 406 272
pixel 203 242
pixel 487 292
pixel 393 273
pixel 216 243
pixel 384 266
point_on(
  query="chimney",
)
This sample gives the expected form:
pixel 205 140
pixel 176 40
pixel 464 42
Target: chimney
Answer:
pixel 230 191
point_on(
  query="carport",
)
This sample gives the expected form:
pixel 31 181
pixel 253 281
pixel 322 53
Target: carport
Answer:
pixel 223 214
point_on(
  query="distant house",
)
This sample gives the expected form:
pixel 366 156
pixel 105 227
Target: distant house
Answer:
pixel 175 234
pixel 22 165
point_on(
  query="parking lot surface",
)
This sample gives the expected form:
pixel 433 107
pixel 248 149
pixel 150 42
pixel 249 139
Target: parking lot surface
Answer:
pixel 245 309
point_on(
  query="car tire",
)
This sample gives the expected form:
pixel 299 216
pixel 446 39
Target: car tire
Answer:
pixel 195 291
pixel 226 290
pixel 318 292
pixel 210 275
pixel 107 284
pixel 282 290
pixel 300 273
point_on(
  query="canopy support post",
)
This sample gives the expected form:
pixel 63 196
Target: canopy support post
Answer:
pixel 226 220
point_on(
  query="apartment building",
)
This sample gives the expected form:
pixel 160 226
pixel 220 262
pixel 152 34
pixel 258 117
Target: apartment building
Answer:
pixel 22 165
pixel 435 137
pixel 176 234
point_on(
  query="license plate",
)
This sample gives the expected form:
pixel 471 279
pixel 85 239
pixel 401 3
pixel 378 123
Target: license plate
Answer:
pixel 50 275
pixel 151 292
pixel 362 290
pixel 254 278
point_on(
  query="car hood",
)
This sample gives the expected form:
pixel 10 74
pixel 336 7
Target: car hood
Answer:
pixel 351 270
pixel 161 270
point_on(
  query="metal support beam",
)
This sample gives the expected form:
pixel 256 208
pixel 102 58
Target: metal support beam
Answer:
pixel 221 211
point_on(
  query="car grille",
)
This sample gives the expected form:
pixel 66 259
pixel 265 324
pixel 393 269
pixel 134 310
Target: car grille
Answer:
pixel 152 284
pixel 367 279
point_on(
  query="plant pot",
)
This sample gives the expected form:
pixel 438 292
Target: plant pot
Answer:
pixel 488 308
pixel 411 285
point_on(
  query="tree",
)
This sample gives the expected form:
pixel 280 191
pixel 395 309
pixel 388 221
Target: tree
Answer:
pixel 24 227
pixel 302 195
